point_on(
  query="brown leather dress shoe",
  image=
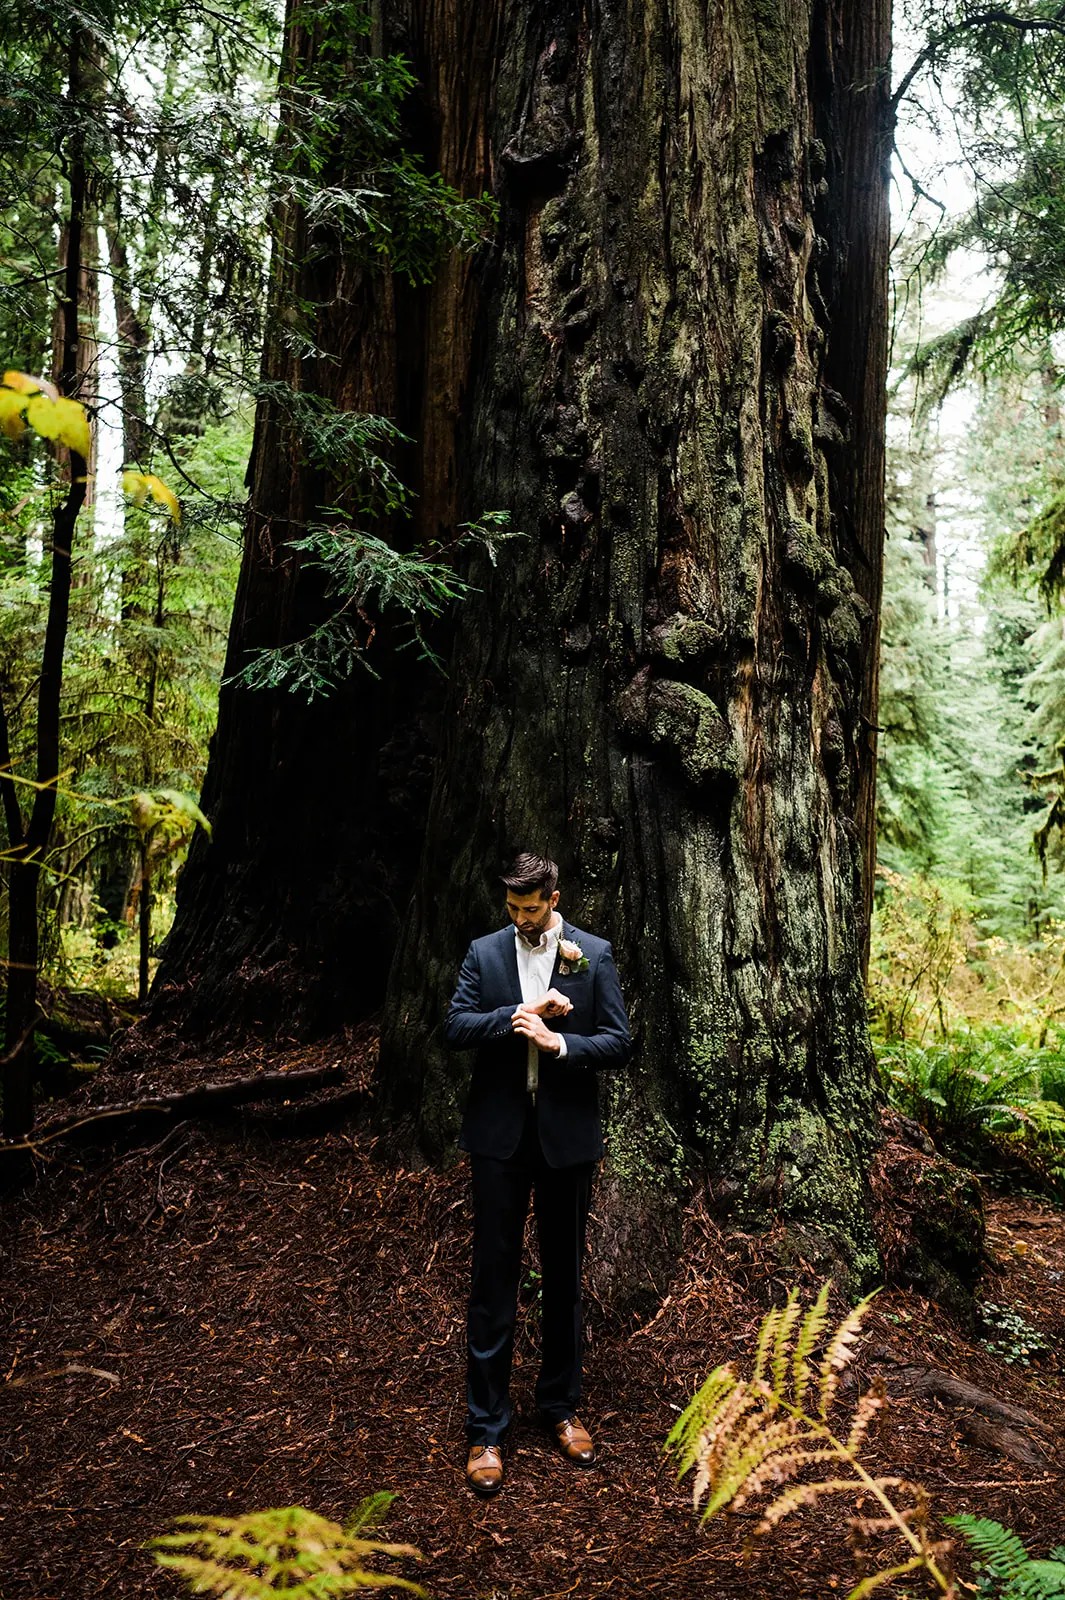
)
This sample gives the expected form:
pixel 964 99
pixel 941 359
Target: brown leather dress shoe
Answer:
pixel 484 1469
pixel 575 1441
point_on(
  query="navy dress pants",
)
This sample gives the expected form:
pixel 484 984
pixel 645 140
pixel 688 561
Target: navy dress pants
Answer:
pixel 561 1197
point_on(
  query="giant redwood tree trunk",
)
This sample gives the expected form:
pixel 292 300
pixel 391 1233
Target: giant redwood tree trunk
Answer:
pixel 669 369
pixel 675 386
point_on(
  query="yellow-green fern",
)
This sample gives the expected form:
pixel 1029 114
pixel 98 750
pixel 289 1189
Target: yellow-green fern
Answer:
pixel 751 1436
pixel 290 1552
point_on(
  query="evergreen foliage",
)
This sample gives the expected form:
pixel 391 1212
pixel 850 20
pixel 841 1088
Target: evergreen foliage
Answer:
pixel 1003 115
pixel 369 579
pixel 192 132
pixel 1005 1569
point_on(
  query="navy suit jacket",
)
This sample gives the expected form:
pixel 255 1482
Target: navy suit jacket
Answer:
pixel 567 1101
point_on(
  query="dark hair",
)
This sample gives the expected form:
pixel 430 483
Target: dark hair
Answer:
pixel 527 873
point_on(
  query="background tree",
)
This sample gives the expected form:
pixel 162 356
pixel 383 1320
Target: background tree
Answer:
pixel 288 917
pixel 116 704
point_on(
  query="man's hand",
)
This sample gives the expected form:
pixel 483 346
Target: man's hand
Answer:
pixel 551 1004
pixel 526 1022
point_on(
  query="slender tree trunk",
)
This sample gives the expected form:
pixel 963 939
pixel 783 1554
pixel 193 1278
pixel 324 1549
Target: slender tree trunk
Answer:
pixel 21 1008
pixel 676 387
pixel 144 924
pixel 132 339
pixel 850 86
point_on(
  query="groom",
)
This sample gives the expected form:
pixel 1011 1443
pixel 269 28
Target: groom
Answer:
pixel 541 1003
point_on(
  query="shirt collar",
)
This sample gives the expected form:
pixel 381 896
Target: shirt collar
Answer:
pixel 549 937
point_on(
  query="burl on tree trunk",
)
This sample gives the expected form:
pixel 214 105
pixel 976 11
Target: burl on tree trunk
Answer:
pixel 675 386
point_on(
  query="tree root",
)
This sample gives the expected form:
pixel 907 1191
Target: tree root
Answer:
pixel 207 1100
pixel 993 1424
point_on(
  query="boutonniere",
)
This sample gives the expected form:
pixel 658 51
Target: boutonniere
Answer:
pixel 573 958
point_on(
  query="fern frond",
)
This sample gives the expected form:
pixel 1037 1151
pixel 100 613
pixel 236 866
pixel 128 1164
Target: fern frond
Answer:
pixel 876 1579
pixel 999 1547
pixel 789 1316
pixel 802 1494
pixel 867 1408
pixel 370 1513
pixel 699 1415
pixel 291 1551
pixel 746 1456
pixel 215 1577
pixel 714 1441
pixel 766 1339
pixel 780 1469
pixel 813 1326
pixel 840 1353
pixel 1040 1580
pixel 760 1436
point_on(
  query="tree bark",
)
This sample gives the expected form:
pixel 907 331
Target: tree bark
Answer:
pixel 670 370
pixel 676 387
pixel 287 917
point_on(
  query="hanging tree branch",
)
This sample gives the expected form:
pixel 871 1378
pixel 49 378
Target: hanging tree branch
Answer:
pixel 980 19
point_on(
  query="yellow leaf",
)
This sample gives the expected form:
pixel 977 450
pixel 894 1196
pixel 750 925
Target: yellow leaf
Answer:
pixel 73 426
pixel 27 385
pixel 139 485
pixel 163 495
pixel 144 813
pixel 62 420
pixel 12 406
pixel 135 484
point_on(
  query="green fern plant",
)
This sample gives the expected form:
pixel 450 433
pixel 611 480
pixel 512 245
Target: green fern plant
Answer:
pixel 746 1437
pixel 1005 1569
pixel 291 1552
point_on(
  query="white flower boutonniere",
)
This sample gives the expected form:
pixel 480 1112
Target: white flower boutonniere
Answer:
pixel 573 958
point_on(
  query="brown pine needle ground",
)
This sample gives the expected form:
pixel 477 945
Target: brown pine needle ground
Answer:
pixel 226 1321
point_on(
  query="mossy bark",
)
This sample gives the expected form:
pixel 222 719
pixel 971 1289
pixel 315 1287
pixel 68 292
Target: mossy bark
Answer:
pixel 668 685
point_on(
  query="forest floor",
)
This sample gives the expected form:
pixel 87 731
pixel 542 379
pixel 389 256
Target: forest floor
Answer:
pixel 224 1320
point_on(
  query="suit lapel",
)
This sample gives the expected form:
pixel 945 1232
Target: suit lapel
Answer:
pixel 565 932
pixel 509 954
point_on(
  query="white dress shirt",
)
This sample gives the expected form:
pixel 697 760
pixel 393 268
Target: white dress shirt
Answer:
pixel 536 963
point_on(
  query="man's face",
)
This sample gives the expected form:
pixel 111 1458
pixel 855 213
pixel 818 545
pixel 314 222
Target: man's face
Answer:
pixel 530 913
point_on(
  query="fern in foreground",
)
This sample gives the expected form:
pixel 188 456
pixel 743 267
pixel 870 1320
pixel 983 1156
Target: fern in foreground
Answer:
pixel 290 1552
pixel 1006 1569
pixel 746 1437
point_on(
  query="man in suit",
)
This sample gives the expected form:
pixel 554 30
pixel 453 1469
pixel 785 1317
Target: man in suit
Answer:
pixel 541 1004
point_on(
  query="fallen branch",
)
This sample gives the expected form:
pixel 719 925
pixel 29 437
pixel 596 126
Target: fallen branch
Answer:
pixel 991 1423
pixel 208 1099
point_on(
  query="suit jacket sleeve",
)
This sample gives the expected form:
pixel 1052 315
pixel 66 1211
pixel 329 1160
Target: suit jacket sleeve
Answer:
pixel 611 1044
pixel 467 1024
